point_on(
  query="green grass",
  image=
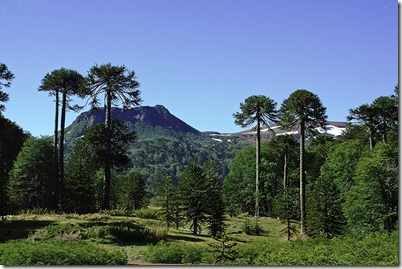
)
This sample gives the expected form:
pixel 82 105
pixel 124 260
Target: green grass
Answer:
pixel 144 240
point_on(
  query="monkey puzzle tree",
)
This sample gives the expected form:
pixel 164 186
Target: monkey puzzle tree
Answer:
pixel 118 84
pixel 305 110
pixel 261 110
pixel 365 115
pixel 67 82
pixel 6 76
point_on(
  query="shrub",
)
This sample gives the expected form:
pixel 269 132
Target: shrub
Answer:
pixel 27 252
pixel 148 213
pixel 64 232
pixel 174 253
pixel 252 228
pixel 374 249
pixel 124 232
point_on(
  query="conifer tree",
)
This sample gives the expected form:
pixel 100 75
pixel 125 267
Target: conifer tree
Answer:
pixel 5 81
pixel 216 208
pixel 68 83
pixel 261 110
pixel 193 195
pixel 119 85
pixel 304 110
pixel 171 209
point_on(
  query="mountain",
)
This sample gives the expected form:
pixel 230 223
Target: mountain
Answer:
pixel 143 120
pixel 164 145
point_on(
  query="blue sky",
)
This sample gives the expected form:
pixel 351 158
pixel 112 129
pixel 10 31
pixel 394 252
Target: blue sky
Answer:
pixel 201 58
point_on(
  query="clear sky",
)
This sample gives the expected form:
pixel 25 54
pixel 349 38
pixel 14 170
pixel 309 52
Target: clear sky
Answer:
pixel 201 58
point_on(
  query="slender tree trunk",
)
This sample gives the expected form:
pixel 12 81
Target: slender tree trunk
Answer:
pixel 107 177
pixel 285 169
pixel 257 167
pixel 56 130
pixel 302 183
pixel 195 226
pixel 371 138
pixel 61 156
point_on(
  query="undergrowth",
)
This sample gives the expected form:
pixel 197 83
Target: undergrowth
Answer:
pixel 54 252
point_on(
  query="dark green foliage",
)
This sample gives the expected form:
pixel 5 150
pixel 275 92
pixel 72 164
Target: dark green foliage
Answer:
pixel 101 232
pixel 85 162
pixel 223 249
pixel 68 83
pixel 174 253
pixel 5 81
pixel 239 184
pixel 81 180
pixel 215 206
pixel 304 110
pixel 252 226
pixel 256 109
pixel 148 213
pixel 378 118
pixel 193 196
pixel 375 249
pixel 287 209
pixel 341 163
pixel 12 138
pixel 26 252
pixel 260 110
pixel 130 191
pixel 118 84
pixel 33 181
pixel 302 107
pixel 372 203
pixel 121 139
pixel 316 154
pixel 325 215
pixel 171 206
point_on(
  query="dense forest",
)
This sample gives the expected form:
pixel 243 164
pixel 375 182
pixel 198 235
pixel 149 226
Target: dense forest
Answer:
pixel 318 186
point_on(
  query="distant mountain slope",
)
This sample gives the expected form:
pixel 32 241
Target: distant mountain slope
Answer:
pixel 142 119
pixel 164 145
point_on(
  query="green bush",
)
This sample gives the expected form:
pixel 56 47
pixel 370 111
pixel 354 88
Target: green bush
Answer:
pixel 374 249
pixel 148 213
pixel 123 232
pixel 65 232
pixel 174 253
pixel 28 252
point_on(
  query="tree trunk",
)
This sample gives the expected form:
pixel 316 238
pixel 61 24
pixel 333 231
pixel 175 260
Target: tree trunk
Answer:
pixel 61 156
pixel 285 169
pixel 107 177
pixel 257 167
pixel 56 129
pixel 195 226
pixel 302 183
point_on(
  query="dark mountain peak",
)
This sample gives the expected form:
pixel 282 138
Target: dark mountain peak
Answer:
pixel 156 117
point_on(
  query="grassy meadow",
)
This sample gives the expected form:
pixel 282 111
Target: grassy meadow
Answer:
pixel 140 238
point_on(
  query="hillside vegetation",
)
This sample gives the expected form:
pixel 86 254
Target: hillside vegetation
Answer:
pixel 99 239
pixel 137 185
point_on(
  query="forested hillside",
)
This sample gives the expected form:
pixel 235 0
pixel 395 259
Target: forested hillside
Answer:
pixel 164 144
pixel 164 181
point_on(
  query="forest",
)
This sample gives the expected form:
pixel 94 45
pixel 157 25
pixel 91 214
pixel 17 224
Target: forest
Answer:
pixel 115 194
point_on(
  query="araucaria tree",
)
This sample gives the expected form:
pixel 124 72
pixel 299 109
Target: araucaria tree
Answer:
pixel 66 82
pixel 5 81
pixel 216 208
pixel 260 110
pixel 304 110
pixel 119 85
pixel 193 195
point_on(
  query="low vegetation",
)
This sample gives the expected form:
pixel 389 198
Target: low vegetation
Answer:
pixel 100 239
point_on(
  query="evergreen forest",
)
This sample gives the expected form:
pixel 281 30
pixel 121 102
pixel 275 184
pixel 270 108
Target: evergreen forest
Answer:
pixel 129 184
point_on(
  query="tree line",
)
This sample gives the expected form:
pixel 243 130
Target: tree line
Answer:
pixel 345 184
pixel 328 185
